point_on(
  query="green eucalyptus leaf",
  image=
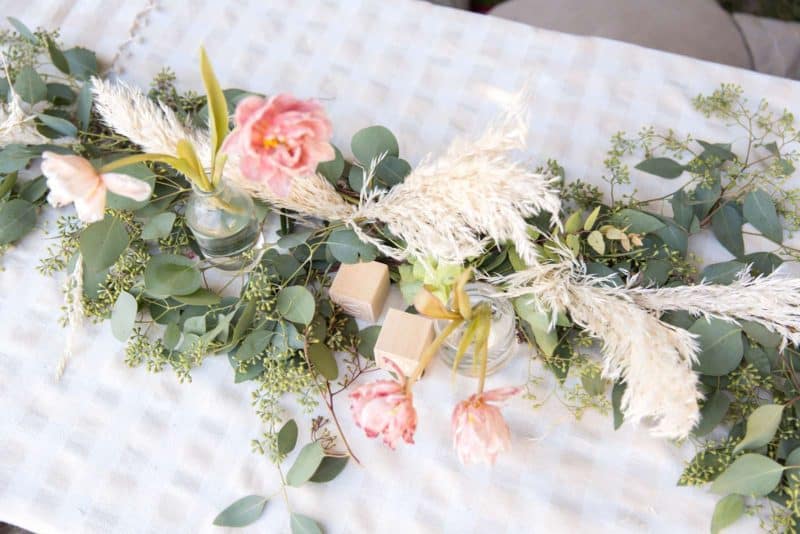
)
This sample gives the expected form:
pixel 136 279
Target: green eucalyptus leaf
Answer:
pixel 332 170
pixel 761 335
pixel 195 325
pixel 305 465
pixel 763 262
pixel 245 320
pixel 254 370
pixel 592 381
pixel 17 218
pixel 355 178
pixel 172 336
pixel 727 226
pixel 373 141
pixel 727 511
pixel 33 190
pixel 539 323
pixel 287 437
pixel 243 512
pixel 750 474
pixel 62 126
pixel 759 210
pixel 22 29
pixel 302 524
pixel 201 297
pixel 674 237
pixel 254 344
pixel 392 171
pixel 663 167
pixel 721 346
pixel 366 341
pixel 713 413
pixel 329 468
pixel 720 151
pixel 761 427
pixel 57 56
pixel 7 183
pixel 704 197
pixel 321 357
pixel 159 226
pixel 294 239
pixel 170 274
pixel 793 459
pixel 123 316
pixel 82 62
pixel 84 107
pixel 722 273
pixel 29 85
pixel 637 221
pixel 757 357
pixel 346 247
pixel 616 403
pixel 60 94
pixel 296 304
pixel 103 242
pixel 682 210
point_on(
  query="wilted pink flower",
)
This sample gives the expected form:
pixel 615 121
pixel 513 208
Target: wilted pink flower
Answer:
pixel 279 138
pixel 385 407
pixel 479 431
pixel 74 179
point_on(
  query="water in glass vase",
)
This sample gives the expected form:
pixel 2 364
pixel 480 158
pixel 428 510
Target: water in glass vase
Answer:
pixel 502 333
pixel 224 224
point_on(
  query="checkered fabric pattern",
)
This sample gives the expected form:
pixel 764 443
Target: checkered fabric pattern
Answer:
pixel 113 449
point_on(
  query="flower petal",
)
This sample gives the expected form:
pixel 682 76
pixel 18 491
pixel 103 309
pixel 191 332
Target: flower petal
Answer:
pixel 72 176
pixel 127 186
pixel 246 108
pixel 91 207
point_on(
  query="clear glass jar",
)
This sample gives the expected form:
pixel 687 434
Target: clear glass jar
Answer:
pixel 502 333
pixel 224 224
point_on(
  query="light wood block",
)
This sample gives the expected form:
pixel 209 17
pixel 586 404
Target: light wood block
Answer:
pixel 361 289
pixel 403 338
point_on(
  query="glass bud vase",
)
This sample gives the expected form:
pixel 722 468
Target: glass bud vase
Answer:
pixel 502 333
pixel 224 224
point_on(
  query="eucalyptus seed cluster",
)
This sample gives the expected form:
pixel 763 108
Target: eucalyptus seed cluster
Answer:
pixel 141 350
pixel 262 288
pixel 709 463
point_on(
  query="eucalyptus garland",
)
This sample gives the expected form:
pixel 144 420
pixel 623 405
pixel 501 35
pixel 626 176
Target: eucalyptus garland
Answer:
pixel 140 268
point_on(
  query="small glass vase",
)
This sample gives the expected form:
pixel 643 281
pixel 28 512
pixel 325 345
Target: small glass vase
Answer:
pixel 224 224
pixel 502 333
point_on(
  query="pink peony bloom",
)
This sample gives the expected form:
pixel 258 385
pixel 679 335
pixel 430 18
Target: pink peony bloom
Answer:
pixel 479 431
pixel 74 179
pixel 279 138
pixel 385 407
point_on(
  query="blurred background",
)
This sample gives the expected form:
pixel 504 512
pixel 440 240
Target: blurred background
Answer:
pixel 761 35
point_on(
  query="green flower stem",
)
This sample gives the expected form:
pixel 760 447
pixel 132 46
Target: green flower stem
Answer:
pixel 431 351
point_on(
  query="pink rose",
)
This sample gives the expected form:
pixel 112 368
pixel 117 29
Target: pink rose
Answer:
pixel 74 179
pixel 385 407
pixel 279 138
pixel 479 431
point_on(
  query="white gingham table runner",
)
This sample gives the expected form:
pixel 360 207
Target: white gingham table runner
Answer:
pixel 110 449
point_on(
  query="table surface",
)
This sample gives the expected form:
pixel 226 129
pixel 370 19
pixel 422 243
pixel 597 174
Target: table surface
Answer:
pixel 114 449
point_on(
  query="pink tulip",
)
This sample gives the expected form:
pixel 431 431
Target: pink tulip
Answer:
pixel 479 431
pixel 280 138
pixel 74 179
pixel 385 407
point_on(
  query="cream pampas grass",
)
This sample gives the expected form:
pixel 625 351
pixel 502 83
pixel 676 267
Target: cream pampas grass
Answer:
pixel 448 208
pixel 772 301
pixel 451 207
pixel 16 124
pixel 653 358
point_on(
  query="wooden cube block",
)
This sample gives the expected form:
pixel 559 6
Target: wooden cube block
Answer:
pixel 403 338
pixel 361 289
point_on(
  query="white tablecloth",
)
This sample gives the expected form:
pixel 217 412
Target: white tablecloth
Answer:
pixel 113 449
